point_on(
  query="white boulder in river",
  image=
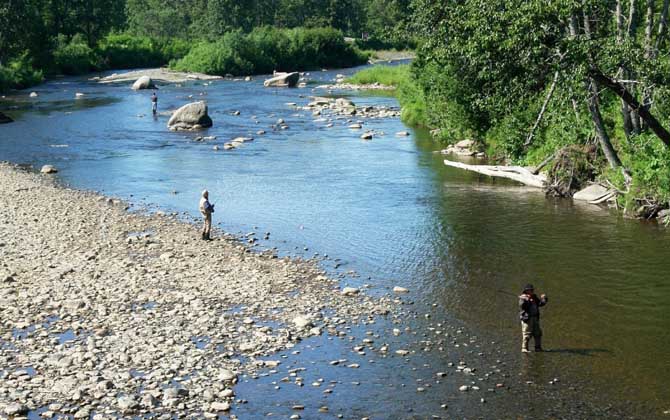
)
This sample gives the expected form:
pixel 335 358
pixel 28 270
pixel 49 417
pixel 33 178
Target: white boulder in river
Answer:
pixel 283 80
pixel 191 116
pixel 48 169
pixel 144 82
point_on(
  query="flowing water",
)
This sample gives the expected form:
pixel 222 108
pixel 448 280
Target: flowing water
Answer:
pixel 390 211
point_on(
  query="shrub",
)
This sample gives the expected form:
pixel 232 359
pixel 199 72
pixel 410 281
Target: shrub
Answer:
pixel 19 74
pixel 266 49
pixel 121 51
pixel 72 56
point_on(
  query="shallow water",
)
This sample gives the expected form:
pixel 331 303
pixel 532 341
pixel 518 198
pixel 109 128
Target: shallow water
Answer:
pixel 392 212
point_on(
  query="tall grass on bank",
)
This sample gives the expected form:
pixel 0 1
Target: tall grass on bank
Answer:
pixel 410 96
pixel 267 48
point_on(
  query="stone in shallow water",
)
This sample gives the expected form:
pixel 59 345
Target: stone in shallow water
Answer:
pixel 302 322
pixel 219 406
pixel 15 409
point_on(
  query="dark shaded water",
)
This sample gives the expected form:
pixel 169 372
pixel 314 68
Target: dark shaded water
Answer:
pixel 390 210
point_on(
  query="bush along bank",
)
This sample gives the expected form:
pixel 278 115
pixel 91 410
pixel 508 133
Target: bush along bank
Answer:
pixel 266 49
pixel 263 50
pixel 409 95
pixel 562 146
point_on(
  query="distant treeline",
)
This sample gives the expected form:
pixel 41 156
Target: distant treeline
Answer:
pixel 42 37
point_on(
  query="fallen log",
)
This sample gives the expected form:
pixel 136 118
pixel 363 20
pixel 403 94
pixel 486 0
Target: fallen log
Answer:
pixel 516 173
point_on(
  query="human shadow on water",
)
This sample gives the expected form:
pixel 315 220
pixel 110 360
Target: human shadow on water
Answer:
pixel 577 352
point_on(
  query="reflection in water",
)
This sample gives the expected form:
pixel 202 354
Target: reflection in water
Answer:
pixel 390 210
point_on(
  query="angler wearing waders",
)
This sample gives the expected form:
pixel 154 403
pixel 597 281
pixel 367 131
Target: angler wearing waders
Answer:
pixel 206 208
pixel 154 103
pixel 529 306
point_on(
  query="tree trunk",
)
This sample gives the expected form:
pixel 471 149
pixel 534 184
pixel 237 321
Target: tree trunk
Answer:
pixel 516 173
pixel 529 139
pixel 632 28
pixel 601 131
pixel 648 29
pixel 621 91
pixel 594 109
pixel 662 26
pixel 625 110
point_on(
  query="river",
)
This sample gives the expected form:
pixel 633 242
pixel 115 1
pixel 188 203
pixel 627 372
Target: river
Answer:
pixel 383 213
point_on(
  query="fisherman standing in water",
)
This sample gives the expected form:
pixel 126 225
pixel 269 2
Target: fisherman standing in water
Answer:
pixel 206 208
pixel 154 103
pixel 529 306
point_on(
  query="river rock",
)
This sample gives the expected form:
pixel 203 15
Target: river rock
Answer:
pixel 283 80
pixel 350 291
pixel 48 169
pixel 191 116
pixel 591 193
pixel 219 406
pixel 15 409
pixel 127 402
pixel 398 289
pixel 144 82
pixel 302 322
pixel 227 375
pixel 4 119
pixel 465 144
pixel 402 133
pixel 367 136
pixel 461 148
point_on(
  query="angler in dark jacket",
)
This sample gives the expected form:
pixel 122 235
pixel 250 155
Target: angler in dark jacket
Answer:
pixel 529 306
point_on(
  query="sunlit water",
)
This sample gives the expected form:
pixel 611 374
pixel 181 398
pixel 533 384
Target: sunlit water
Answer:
pixel 392 212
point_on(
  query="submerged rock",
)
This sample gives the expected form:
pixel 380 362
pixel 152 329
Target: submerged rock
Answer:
pixel 191 116
pixel 4 119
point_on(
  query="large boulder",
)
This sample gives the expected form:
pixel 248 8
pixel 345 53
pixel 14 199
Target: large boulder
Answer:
pixel 4 119
pixel 144 82
pixel 191 116
pixel 283 80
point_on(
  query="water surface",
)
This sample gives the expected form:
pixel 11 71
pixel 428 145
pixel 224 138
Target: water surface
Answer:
pixel 392 212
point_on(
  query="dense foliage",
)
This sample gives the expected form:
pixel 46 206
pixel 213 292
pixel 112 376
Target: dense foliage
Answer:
pixel 529 77
pixel 266 49
pixel 39 37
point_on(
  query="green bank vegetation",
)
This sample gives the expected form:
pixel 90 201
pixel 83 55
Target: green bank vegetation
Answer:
pixel 47 37
pixel 583 86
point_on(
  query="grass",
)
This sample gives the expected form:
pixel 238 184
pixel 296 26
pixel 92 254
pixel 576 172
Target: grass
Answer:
pixel 411 98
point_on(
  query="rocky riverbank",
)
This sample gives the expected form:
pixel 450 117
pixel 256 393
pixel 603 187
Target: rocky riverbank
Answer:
pixel 106 312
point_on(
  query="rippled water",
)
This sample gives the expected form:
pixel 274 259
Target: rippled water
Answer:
pixel 390 210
